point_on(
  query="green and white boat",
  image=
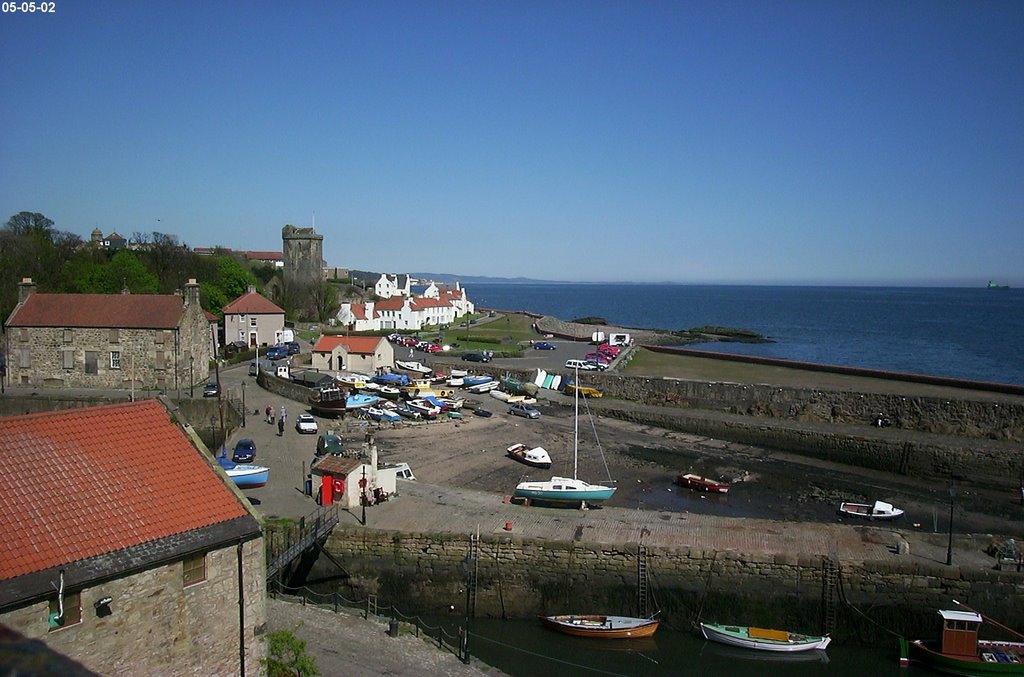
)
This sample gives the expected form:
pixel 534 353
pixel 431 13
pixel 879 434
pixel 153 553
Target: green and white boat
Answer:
pixel 763 639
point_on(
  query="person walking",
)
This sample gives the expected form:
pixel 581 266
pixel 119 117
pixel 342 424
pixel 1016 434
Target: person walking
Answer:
pixel 283 414
pixel 270 414
pixel 280 427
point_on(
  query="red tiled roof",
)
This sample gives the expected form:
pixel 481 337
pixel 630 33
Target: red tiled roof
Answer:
pixel 264 256
pixel 119 311
pixel 363 345
pixel 423 302
pixel 358 311
pixel 79 483
pixel 393 303
pixel 252 303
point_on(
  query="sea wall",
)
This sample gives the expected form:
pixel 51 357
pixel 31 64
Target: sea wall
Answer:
pixel 519 578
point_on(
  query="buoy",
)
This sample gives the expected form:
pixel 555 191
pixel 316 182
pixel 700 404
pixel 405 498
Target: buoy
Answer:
pixel 508 526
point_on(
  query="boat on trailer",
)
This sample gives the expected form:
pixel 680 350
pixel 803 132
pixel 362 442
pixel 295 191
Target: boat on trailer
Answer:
pixel 603 627
pixel 879 510
pixel 691 481
pixel 763 639
pixel 244 475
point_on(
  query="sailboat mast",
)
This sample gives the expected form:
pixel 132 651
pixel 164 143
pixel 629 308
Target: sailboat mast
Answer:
pixel 576 424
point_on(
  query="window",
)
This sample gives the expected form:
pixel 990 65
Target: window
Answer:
pixel 252 322
pixel 158 337
pixel 23 335
pixel 159 362
pixel 69 336
pixel 115 336
pixel 72 611
pixel 115 359
pixel 69 358
pixel 193 570
pixel 91 357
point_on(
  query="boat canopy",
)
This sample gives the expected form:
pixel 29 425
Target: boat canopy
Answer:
pixel 883 507
pixel 966 616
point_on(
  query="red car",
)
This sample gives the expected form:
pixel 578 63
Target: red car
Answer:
pixel 609 350
pixel 432 348
pixel 600 358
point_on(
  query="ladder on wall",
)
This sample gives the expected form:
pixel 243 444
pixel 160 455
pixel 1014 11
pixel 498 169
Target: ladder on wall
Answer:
pixel 473 567
pixel 830 586
pixel 642 593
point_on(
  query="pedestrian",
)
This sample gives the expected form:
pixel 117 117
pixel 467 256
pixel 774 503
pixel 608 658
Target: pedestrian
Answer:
pixel 270 414
pixel 280 427
pixel 283 414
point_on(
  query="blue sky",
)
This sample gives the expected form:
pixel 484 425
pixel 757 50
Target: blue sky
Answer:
pixel 713 142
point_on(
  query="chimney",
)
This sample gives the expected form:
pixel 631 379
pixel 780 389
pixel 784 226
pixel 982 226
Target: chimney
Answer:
pixel 192 293
pixel 25 289
pixel 251 289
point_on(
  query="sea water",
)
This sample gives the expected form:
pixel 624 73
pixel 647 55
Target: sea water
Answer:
pixel 967 333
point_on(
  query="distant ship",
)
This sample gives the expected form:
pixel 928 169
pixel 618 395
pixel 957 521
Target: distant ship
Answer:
pixel 993 285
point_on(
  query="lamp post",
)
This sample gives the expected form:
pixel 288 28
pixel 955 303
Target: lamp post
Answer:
pixel 243 404
pixel 467 570
pixel 191 377
pixel 949 549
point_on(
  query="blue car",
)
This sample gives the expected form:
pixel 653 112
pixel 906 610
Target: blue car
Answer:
pixel 277 352
pixel 543 345
pixel 244 451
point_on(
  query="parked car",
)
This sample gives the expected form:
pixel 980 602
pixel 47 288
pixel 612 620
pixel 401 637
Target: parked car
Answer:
pixel 329 443
pixel 596 365
pixel 293 347
pixel 609 350
pixel 432 348
pixel 277 352
pixel 476 357
pixel 408 342
pixel 581 364
pixel 524 410
pixel 305 423
pixel 543 345
pixel 211 390
pixel 597 357
pixel 244 451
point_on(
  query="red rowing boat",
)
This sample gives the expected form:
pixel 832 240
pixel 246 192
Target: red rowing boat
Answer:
pixel 699 483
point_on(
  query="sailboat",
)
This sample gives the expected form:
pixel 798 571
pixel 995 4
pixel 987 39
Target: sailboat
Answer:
pixel 566 489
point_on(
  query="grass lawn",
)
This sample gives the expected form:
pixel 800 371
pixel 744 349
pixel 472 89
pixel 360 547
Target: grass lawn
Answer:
pixel 504 333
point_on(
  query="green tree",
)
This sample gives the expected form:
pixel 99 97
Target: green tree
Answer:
pixel 232 278
pixel 287 657
pixel 30 223
pixel 126 271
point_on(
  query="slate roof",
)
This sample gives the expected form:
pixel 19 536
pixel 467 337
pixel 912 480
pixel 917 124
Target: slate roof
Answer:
pixel 115 311
pixel 252 303
pixel 83 483
pixel 363 345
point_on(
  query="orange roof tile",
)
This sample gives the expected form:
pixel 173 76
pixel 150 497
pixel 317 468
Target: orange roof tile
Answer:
pixel 252 303
pixel 364 345
pixel 122 311
pixel 423 302
pixel 79 483
pixel 393 303
pixel 358 311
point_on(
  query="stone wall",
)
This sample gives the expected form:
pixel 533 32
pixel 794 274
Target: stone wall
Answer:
pixel 303 256
pixel 158 627
pixel 519 578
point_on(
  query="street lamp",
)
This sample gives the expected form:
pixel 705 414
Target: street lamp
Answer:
pixel 949 549
pixel 243 404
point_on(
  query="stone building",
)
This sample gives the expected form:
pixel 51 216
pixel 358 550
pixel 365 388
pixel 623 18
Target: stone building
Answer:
pixel 303 257
pixel 253 319
pixel 128 568
pixel 366 354
pixel 124 341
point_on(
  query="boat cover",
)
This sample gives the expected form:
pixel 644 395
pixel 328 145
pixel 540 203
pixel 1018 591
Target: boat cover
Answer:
pixel 762 633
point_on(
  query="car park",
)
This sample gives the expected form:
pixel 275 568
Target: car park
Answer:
pixel 476 357
pixel 211 390
pixel 543 345
pixel 305 423
pixel 244 451
pixel 524 410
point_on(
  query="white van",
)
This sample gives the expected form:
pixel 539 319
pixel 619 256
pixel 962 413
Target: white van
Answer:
pixel 582 365
pixel 620 340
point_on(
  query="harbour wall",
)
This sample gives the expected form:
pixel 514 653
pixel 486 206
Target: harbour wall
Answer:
pixel 520 578
pixel 930 436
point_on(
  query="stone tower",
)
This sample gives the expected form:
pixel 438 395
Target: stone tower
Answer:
pixel 303 256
